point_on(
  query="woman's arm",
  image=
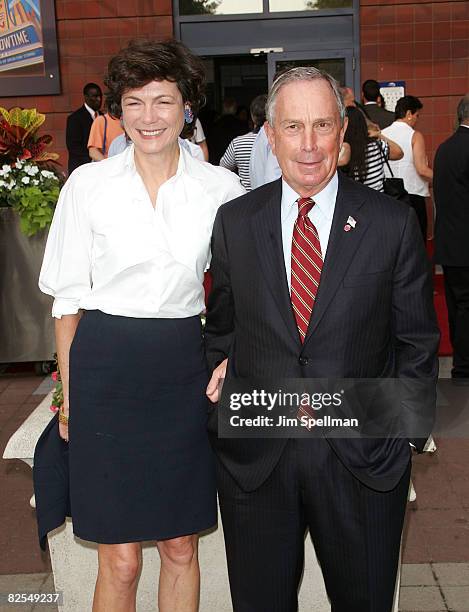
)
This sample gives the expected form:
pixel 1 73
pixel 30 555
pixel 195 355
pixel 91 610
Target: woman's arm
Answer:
pixel 65 329
pixel 344 154
pixel 203 145
pixel 95 154
pixel 420 157
pixel 395 151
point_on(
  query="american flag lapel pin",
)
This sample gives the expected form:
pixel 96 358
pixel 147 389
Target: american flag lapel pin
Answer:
pixel 351 223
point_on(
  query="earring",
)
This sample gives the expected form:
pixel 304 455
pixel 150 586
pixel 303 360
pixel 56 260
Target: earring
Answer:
pixel 188 114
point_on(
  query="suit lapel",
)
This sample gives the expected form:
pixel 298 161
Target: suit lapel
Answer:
pixel 266 227
pixel 341 247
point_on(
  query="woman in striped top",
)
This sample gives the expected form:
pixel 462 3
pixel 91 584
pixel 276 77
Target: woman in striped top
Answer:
pixel 369 149
pixel 237 155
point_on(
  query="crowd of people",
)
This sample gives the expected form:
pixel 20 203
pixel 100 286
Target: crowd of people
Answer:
pixel 316 275
pixel 378 143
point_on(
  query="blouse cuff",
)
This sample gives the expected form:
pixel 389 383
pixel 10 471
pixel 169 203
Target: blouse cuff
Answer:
pixel 64 306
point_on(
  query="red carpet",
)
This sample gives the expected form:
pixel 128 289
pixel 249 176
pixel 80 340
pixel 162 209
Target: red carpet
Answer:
pixel 440 307
pixel 442 315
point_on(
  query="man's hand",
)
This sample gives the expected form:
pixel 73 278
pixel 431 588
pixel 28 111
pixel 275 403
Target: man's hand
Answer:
pixel 218 374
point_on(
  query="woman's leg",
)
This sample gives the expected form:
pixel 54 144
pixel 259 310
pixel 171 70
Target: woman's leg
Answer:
pixel 116 585
pixel 179 575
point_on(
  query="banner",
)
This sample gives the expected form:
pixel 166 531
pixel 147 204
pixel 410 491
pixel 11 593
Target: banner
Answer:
pixel 21 39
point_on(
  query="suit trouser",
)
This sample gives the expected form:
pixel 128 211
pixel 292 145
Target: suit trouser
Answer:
pixel 457 301
pixel 419 205
pixel 356 533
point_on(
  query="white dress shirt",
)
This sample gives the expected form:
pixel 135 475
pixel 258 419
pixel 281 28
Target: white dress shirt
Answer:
pixel 92 112
pixel 320 215
pixel 108 249
pixel 263 166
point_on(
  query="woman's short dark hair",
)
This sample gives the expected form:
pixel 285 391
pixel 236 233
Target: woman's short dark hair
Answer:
pixel 144 61
pixel 407 103
pixel 257 110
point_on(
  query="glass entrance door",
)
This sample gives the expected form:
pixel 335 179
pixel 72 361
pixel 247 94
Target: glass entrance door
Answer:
pixel 338 64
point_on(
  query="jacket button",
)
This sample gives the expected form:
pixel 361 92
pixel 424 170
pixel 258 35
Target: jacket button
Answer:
pixel 304 361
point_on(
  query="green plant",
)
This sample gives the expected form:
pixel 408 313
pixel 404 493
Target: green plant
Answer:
pixel 28 183
pixel 32 192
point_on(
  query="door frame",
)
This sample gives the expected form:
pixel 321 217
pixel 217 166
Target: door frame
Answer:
pixel 346 54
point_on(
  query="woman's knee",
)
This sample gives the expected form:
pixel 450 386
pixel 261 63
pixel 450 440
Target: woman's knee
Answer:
pixel 121 561
pixel 178 551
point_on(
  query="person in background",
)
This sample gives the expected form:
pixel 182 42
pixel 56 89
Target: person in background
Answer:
pixel 125 261
pixel 451 191
pixel 413 167
pixel 198 138
pixel 103 131
pixel 374 104
pixel 222 132
pixel 369 150
pixel 79 125
pixel 238 154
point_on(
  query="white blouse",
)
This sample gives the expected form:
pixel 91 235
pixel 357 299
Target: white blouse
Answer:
pixel 108 249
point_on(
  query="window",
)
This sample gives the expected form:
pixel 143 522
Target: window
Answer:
pixel 277 6
pixel 219 7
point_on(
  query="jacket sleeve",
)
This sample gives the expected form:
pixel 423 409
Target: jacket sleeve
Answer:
pixel 219 327
pixel 416 334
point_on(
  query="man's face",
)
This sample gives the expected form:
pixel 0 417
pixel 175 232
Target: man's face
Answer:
pixel 306 136
pixel 94 98
pixel 153 116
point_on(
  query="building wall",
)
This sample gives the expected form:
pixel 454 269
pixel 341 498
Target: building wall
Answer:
pixel 89 32
pixel 425 44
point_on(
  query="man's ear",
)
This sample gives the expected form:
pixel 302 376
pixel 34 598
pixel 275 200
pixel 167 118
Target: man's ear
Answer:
pixel 269 131
pixel 343 130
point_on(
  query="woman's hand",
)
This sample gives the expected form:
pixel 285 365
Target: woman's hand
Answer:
pixel 64 411
pixel 374 130
pixel 213 386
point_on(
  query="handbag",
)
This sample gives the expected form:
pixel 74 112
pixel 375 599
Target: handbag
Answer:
pixel 394 186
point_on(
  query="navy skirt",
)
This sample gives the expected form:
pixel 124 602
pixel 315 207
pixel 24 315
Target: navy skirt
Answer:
pixel 141 467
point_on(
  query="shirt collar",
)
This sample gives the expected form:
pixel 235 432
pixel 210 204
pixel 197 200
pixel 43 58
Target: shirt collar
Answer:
pixel 368 103
pixel 324 200
pixel 90 110
pixel 127 161
pixel 464 125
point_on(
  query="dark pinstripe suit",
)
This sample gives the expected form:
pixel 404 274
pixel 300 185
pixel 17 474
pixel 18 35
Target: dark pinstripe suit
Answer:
pixel 373 317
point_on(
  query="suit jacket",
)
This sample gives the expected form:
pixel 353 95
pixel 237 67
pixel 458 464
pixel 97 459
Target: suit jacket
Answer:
pixel 51 480
pixel 373 317
pixel 451 191
pixel 379 115
pixel 78 129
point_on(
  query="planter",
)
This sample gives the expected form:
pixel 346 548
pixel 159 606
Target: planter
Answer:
pixel 26 325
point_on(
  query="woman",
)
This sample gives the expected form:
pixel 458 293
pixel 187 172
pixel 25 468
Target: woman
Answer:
pixel 413 167
pixel 238 154
pixel 104 130
pixel 125 260
pixel 367 151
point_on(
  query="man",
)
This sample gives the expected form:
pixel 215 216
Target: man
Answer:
pixel 374 107
pixel 79 126
pixel 451 190
pixel 222 132
pixel 373 318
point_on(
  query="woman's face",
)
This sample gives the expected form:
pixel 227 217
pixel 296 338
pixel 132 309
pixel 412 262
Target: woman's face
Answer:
pixel 153 116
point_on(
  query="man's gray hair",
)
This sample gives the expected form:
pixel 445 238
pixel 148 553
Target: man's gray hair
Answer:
pixel 302 73
pixel 463 109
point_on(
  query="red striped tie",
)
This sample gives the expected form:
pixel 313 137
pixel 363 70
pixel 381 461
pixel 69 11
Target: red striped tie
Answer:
pixel 306 266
